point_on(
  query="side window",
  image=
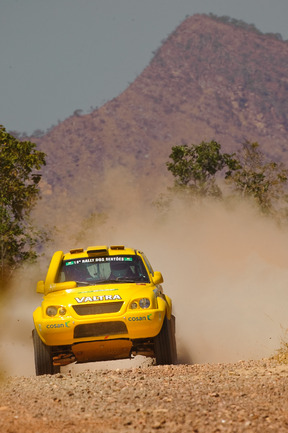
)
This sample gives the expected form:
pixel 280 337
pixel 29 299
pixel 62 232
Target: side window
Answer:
pixel 61 277
pixel 61 274
pixel 147 263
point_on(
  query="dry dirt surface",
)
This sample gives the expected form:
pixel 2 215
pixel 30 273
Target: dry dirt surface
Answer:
pixel 248 396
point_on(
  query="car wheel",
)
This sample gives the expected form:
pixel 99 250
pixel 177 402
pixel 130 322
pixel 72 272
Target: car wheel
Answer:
pixel 165 343
pixel 173 339
pixel 43 357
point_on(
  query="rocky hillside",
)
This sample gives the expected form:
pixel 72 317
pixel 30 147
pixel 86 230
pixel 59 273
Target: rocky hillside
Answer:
pixel 210 79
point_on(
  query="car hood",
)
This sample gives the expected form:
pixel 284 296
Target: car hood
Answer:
pixel 100 293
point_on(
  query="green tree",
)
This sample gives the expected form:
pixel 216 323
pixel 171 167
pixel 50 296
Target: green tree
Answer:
pixel 20 163
pixel 259 178
pixel 195 167
pixel 249 172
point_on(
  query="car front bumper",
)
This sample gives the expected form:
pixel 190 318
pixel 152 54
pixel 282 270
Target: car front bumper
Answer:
pixel 68 330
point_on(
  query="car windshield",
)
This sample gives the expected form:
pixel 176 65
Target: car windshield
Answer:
pixel 103 270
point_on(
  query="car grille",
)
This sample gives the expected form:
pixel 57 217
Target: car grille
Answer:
pixel 108 307
pixel 99 329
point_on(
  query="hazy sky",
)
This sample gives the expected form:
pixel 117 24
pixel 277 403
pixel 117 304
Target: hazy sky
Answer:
pixel 58 56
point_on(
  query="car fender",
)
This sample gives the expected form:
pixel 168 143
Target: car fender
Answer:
pixel 37 318
pixel 165 306
pixel 169 307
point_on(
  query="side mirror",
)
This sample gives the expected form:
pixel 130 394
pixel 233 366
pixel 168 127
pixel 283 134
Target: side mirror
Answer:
pixel 157 278
pixel 40 287
pixel 54 287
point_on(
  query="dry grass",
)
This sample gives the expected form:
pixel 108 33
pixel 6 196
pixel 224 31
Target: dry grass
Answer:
pixel 282 354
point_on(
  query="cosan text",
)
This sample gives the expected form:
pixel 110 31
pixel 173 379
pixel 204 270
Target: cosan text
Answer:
pixel 140 318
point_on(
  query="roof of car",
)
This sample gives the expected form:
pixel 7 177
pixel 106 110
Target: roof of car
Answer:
pixel 101 250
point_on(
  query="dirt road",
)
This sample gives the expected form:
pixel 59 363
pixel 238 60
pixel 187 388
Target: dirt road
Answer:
pixel 250 396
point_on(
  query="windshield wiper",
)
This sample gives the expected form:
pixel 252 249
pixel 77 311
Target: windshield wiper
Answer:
pixel 82 283
pixel 115 280
pixel 125 280
pixel 105 281
pixel 108 281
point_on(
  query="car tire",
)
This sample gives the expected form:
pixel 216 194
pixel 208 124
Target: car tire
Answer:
pixel 43 357
pixel 173 339
pixel 165 343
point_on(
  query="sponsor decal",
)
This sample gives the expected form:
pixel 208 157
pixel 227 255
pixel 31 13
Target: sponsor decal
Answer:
pixel 58 325
pixel 100 290
pixel 139 318
pixel 100 259
pixel 98 298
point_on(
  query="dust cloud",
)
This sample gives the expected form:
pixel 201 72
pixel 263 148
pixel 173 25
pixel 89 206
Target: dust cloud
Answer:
pixel 226 272
pixel 225 268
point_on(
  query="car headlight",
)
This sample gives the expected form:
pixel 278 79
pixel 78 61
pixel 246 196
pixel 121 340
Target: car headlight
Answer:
pixel 51 311
pixel 62 311
pixel 144 303
pixel 133 305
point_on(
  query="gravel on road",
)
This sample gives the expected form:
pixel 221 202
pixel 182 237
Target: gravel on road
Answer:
pixel 247 396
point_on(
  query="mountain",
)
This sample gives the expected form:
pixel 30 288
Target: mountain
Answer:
pixel 210 79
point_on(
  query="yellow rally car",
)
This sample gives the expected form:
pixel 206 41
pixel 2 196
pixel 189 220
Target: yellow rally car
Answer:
pixel 103 303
